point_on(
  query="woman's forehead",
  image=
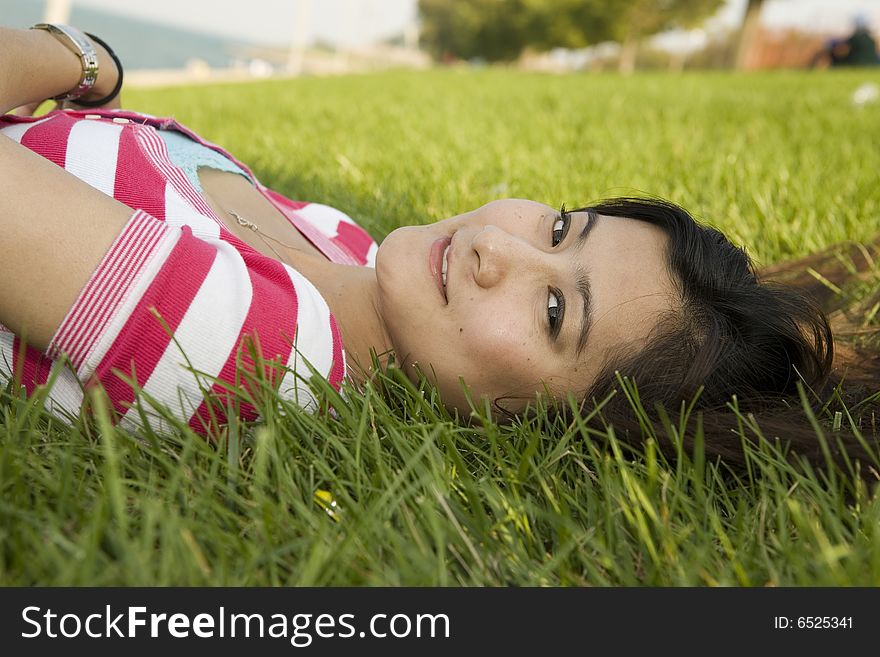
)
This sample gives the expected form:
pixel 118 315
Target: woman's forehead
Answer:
pixel 631 289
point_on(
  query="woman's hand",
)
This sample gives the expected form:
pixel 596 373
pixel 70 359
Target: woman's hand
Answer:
pixel 30 108
pixel 36 66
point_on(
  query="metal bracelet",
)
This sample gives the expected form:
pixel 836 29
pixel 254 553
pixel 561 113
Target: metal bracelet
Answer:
pixel 79 45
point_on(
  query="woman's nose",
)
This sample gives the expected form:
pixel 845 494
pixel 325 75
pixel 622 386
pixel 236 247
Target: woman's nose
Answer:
pixel 498 253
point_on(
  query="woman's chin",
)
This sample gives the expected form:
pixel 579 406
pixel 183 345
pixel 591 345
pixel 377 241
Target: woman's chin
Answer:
pixel 391 256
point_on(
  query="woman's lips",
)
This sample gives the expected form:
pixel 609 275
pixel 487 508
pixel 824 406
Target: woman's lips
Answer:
pixel 435 263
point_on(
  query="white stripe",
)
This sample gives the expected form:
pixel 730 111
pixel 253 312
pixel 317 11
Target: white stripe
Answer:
pixel 371 255
pixel 66 395
pixel 323 217
pixel 92 150
pixel 207 334
pixel 313 342
pixel 127 305
pixel 180 213
pixel 343 217
pixel 6 357
pixel 16 131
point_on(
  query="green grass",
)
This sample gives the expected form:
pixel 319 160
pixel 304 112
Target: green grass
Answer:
pixel 782 162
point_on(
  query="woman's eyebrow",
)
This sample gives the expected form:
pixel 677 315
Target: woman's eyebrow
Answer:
pixel 592 218
pixel 583 284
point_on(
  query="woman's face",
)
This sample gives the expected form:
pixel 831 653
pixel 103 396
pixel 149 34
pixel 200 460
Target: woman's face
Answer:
pixel 533 300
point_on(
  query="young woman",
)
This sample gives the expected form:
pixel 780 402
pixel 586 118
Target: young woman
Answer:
pixel 137 256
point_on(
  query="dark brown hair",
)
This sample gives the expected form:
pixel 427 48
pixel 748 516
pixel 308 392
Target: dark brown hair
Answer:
pixel 735 345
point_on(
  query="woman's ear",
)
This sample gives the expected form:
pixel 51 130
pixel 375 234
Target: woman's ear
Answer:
pixel 508 408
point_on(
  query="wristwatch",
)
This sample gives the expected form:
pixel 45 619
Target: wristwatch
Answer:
pixel 79 45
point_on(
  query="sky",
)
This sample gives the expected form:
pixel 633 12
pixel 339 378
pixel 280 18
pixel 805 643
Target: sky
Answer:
pixel 827 15
pixel 355 22
pixel 272 22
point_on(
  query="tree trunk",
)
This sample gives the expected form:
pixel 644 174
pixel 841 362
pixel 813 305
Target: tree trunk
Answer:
pixel 747 33
pixel 628 52
pixel 677 62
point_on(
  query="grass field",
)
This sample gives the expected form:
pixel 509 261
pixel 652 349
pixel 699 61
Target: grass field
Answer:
pixel 391 491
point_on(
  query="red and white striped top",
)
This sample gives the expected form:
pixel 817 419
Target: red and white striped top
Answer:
pixel 178 305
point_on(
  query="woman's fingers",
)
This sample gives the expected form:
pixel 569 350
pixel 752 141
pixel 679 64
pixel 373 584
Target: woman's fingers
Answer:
pixel 30 108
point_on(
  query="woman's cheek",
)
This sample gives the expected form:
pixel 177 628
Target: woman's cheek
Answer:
pixel 498 343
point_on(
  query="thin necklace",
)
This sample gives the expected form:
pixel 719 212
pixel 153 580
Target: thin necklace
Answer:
pixel 263 236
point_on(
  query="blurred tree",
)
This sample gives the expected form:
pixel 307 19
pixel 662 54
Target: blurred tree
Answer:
pixel 748 31
pixel 492 29
pixel 502 29
pixel 637 19
pixel 570 23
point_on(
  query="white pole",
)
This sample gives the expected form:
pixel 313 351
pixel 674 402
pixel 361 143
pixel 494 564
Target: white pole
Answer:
pixel 411 35
pixel 302 32
pixel 347 31
pixel 57 11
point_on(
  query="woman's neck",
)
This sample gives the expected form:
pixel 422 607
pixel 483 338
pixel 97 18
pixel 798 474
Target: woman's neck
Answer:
pixel 352 294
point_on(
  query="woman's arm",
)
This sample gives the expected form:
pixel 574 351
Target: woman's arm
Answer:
pixel 35 66
pixel 54 230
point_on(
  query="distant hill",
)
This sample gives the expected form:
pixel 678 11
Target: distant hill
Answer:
pixel 140 44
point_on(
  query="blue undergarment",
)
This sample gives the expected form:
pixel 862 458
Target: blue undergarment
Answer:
pixel 189 155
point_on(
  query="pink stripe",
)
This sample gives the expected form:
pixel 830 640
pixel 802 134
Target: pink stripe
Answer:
pixel 138 183
pixel 33 369
pixel 65 338
pixel 337 373
pixel 324 244
pixel 17 365
pixel 105 290
pixel 333 251
pixel 111 292
pixel 12 119
pixel 96 301
pixel 143 340
pixel 155 148
pixel 294 205
pixel 271 322
pixel 355 239
pixel 49 138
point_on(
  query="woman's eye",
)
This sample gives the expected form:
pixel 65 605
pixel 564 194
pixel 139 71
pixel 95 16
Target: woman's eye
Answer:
pixel 555 310
pixel 560 227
